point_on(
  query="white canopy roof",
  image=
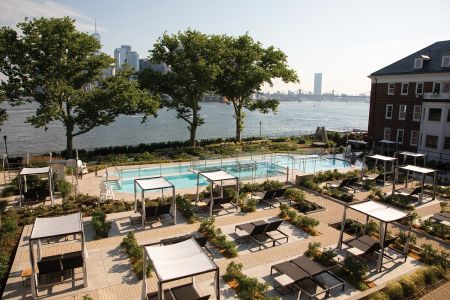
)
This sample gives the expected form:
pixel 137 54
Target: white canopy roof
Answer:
pixel 153 183
pixel 357 142
pixel 387 142
pixel 407 153
pixel 217 175
pixel 54 226
pixel 31 171
pixel 379 211
pixel 382 157
pixel 417 169
pixel 179 260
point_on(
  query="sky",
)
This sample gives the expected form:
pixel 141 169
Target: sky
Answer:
pixel 344 40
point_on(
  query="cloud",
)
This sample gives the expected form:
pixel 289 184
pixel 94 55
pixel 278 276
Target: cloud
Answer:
pixel 15 11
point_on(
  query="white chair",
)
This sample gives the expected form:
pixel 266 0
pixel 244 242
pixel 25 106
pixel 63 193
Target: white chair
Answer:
pixel 82 167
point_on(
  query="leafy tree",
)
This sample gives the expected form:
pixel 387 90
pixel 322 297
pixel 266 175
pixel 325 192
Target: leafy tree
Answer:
pixel 48 61
pixel 245 67
pixel 191 56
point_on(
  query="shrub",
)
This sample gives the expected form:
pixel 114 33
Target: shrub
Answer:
pixel 87 297
pixel 136 254
pixel 313 250
pixel 4 264
pixel 64 187
pixel 324 257
pixel 186 209
pixel 355 267
pixel 431 256
pixel 248 205
pixel 272 185
pixel 394 290
pixel 304 222
pixel 408 286
pixel 217 238
pixel 101 226
pixel 294 194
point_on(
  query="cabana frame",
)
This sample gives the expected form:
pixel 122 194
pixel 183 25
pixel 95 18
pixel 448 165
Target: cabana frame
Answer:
pixel 35 171
pixel 424 172
pixel 383 213
pixel 407 154
pixel 217 176
pixel 185 258
pixel 385 160
pixel 60 226
pixel 154 183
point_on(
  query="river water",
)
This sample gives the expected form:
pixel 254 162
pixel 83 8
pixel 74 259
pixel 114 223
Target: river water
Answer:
pixel 219 122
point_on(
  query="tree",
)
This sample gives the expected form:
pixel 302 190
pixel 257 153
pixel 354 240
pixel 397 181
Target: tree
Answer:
pixel 191 57
pixel 244 67
pixel 61 69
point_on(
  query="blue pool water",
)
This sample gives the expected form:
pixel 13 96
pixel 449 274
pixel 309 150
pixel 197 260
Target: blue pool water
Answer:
pixel 183 176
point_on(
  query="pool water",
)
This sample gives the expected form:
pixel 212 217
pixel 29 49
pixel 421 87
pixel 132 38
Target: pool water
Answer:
pixel 183 176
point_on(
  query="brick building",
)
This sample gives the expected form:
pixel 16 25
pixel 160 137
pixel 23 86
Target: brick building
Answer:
pixel 410 102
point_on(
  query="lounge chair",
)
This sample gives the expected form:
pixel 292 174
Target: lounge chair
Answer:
pixel 272 197
pixel 306 275
pixel 152 213
pixel 366 245
pixel 261 232
pixel 346 184
pixel 273 227
pixel 218 203
pixel 409 194
pixel 186 291
pixel 49 267
pixel 378 178
pixel 251 230
pixel 442 217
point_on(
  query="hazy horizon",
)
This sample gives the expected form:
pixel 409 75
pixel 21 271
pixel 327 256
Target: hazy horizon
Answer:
pixel 343 40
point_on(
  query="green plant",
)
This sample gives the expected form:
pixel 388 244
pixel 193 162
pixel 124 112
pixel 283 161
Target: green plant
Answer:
pixel 136 254
pixel 313 250
pixel 247 204
pixel 186 209
pixel 64 187
pixel 431 256
pixel 355 267
pixel 87 297
pixel 394 290
pixel 217 238
pixel 304 222
pixel 101 226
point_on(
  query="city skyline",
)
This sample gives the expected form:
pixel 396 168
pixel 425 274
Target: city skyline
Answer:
pixel 343 42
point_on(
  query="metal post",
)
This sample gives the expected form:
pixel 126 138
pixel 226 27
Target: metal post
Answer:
pixel 144 283
pixel 382 237
pixel 341 234
pixel 174 206
pixel 212 200
pixel 143 209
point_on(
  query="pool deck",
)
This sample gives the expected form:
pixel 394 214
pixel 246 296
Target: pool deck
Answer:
pixel 109 271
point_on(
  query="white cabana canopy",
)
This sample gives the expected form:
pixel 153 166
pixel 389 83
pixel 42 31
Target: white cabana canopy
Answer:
pixel 56 226
pixel 379 211
pixel 152 184
pixel 412 154
pixel 178 261
pixel 387 142
pixel 34 171
pixel 357 142
pixel 385 160
pixel 44 228
pixel 424 172
pixel 216 176
pixel 417 169
pixel 382 157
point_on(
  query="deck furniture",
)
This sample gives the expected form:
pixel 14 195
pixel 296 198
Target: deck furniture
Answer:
pixel 272 197
pixel 219 204
pixel 385 214
pixel 424 172
pixel 408 193
pixel 442 217
pixel 35 195
pixel 261 233
pixel 385 174
pixel 217 176
pixel 149 184
pixel 175 262
pixel 306 275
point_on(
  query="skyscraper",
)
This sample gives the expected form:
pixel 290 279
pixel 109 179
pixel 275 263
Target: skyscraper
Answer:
pixel 125 55
pixel 133 60
pixel 317 84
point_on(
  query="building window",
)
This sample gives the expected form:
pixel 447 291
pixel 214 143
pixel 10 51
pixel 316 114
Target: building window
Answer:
pixel 431 141
pixel 400 135
pixel 436 87
pixel 419 88
pixel 389 109
pixel 402 112
pixel 405 87
pixel 447 143
pixel 416 112
pixel 414 137
pixel 446 61
pixel 434 114
pixel 391 88
pixel 387 134
pixel 418 63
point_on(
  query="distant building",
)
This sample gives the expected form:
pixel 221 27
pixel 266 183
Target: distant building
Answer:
pixel 145 63
pixel 410 102
pixel 317 84
pixel 133 60
pixel 124 55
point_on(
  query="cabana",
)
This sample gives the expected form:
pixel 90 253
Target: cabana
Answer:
pixel 213 177
pixel 174 262
pixel 152 184
pixel 413 155
pixel 388 144
pixel 56 227
pixel 385 214
pixel 351 144
pixel 385 160
pixel 424 172
pixel 34 171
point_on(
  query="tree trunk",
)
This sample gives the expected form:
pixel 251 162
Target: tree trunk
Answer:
pixel 69 146
pixel 193 127
pixel 238 125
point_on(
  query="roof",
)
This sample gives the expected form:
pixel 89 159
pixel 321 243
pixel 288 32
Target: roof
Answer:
pixel 412 154
pixel 379 211
pixel 382 157
pixel 387 142
pixel 56 226
pixel 406 65
pixel 357 142
pixel 153 183
pixel 31 171
pixel 179 260
pixel 417 169
pixel 217 175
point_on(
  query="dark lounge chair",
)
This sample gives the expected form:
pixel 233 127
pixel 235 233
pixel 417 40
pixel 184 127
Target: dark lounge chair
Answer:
pixel 219 204
pixel 153 213
pixel 441 217
pixel 186 291
pixel 347 184
pixel 49 268
pixel 409 194
pixel 273 197
pixel 367 245
pixel 261 232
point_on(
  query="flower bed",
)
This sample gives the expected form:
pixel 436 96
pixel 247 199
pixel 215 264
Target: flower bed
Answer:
pixel 217 238
pixel 306 223
pixel 185 207
pixel 136 254
pixel 301 204
pixel 353 227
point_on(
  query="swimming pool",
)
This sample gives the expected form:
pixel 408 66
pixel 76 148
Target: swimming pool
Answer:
pixel 183 176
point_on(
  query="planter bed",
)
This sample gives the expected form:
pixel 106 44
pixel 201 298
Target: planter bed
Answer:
pixel 306 207
pixel 351 226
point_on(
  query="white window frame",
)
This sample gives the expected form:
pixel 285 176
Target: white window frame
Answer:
pixel 389 89
pixel 444 58
pixel 417 86
pixel 419 108
pixel 403 136
pixel 384 133
pixel 411 138
pixel 400 111
pixel 407 88
pixel 418 63
pixel 440 87
pixel 392 111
